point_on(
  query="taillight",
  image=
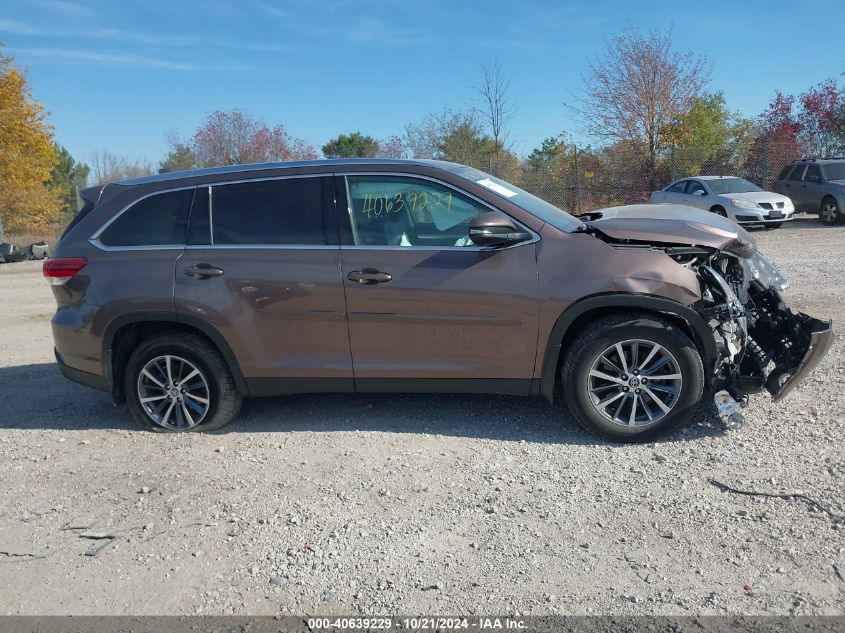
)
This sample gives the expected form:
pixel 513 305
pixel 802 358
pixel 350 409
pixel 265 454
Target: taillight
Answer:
pixel 58 271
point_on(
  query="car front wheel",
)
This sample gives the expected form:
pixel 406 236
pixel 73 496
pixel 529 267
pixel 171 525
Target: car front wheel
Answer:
pixel 632 377
pixel 180 382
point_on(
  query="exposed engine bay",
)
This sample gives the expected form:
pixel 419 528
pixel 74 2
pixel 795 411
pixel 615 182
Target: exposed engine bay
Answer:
pixel 762 343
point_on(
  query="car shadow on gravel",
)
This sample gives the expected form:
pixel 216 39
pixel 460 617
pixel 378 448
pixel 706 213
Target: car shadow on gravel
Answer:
pixel 508 418
pixel 37 397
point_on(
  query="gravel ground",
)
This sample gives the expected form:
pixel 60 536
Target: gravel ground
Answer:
pixel 418 504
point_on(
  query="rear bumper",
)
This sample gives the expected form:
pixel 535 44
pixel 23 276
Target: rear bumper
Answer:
pixel 82 377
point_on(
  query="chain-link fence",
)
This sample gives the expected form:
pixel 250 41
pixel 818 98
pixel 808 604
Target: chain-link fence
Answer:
pixel 581 180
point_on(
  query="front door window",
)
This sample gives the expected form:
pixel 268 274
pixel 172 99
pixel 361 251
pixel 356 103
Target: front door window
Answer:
pixel 400 211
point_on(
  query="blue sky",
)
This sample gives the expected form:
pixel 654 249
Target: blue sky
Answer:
pixel 119 75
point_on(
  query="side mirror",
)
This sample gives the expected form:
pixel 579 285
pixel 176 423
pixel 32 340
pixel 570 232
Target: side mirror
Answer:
pixel 699 192
pixel 820 180
pixel 495 229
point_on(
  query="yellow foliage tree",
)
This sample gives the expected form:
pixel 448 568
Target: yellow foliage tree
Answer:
pixel 26 155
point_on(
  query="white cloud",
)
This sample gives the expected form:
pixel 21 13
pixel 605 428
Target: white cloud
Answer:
pixel 16 27
pixel 90 58
pixel 67 8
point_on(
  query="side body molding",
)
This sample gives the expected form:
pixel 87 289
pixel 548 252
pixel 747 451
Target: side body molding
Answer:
pixel 703 335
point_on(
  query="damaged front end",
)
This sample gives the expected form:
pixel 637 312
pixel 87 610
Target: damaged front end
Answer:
pixel 763 345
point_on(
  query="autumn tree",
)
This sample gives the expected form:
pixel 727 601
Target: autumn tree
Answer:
pixel 564 174
pixel 67 178
pixel 634 92
pixel 179 158
pixel 392 147
pixel 27 155
pixel 822 120
pixel 427 138
pixel 777 142
pixel 459 137
pixel 236 137
pixel 544 165
pixel 497 106
pixel 107 167
pixel 353 145
pixel 465 144
pixel 709 136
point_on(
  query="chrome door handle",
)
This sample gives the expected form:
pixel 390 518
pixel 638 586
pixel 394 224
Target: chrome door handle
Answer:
pixel 369 276
pixel 203 271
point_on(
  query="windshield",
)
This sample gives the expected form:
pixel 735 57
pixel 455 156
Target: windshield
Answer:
pixel 732 185
pixel 835 171
pixel 537 207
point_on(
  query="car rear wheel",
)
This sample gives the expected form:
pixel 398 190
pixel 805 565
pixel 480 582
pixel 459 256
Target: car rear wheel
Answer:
pixel 180 382
pixel 829 212
pixel 632 377
pixel 719 210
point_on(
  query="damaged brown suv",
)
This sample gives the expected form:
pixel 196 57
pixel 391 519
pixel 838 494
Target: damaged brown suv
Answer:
pixel 184 293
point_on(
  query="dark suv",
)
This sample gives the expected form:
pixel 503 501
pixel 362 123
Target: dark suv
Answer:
pixel 815 186
pixel 183 293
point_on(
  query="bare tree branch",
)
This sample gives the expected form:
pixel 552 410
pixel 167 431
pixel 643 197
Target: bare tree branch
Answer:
pixel 634 92
pixel 498 108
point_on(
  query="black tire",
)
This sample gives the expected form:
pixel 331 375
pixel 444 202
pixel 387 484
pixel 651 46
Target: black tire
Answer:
pixel 225 400
pixel 829 211
pixel 719 210
pixel 603 333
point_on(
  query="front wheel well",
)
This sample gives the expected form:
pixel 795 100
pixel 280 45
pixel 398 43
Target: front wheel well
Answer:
pixel 585 319
pixel 127 338
pixel 588 316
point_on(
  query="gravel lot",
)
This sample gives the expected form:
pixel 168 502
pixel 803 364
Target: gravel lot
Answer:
pixel 418 504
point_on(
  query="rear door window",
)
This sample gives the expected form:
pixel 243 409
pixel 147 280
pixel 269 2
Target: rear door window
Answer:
pixel 157 220
pixel 799 171
pixel 268 212
pixel 785 172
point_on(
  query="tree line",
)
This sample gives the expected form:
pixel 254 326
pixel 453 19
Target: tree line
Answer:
pixel 647 109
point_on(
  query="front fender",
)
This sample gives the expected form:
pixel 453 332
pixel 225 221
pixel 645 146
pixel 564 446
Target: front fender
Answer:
pixel 702 334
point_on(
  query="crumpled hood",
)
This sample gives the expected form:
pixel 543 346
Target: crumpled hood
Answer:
pixel 673 224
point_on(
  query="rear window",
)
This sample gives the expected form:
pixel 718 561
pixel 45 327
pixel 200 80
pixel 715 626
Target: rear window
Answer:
pixel 835 171
pixel 284 212
pixel 157 220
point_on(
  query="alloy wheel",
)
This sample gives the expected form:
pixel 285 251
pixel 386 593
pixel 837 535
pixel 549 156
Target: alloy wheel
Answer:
pixel 830 212
pixel 173 392
pixel 635 383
